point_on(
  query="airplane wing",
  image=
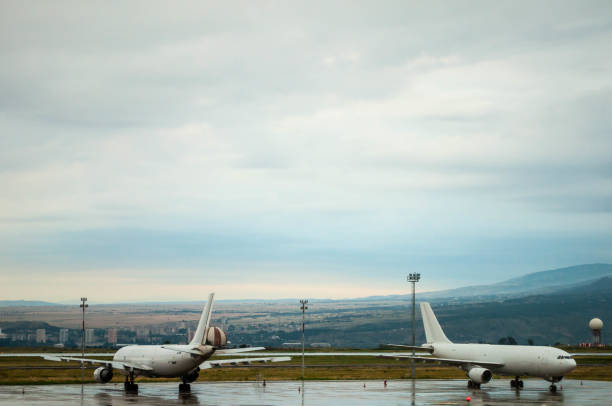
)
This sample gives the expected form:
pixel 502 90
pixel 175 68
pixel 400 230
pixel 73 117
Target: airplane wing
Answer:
pixel 450 361
pixel 202 350
pixel 128 366
pixel 410 347
pixel 241 361
pixel 325 354
pixel 238 350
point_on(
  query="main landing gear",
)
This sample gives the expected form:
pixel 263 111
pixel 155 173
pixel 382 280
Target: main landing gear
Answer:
pixel 184 387
pixel 129 385
pixel 516 383
pixel 553 388
pixel 473 385
pixel 190 377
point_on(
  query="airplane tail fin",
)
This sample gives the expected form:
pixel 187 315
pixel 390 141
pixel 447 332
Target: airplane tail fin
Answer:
pixel 199 338
pixel 433 331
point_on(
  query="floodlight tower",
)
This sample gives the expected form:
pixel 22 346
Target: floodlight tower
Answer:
pixel 413 278
pixel 596 325
pixel 83 305
pixel 304 308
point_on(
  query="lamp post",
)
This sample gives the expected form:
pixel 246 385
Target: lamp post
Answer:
pixel 304 307
pixel 413 278
pixel 83 305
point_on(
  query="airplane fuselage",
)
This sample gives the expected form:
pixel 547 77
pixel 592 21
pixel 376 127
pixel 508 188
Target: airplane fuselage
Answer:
pixel 519 360
pixel 164 362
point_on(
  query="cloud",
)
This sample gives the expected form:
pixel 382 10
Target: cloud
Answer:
pixel 345 140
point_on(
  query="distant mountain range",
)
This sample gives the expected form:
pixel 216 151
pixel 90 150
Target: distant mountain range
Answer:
pixel 544 282
pixel 544 307
pixel 15 303
pixel 561 316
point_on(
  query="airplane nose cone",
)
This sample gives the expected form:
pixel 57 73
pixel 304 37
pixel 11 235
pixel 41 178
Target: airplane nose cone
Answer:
pixel 572 365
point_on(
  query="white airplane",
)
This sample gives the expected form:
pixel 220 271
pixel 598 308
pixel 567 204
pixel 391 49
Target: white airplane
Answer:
pixel 170 361
pixel 480 361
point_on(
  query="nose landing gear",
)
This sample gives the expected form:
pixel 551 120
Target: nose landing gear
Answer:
pixel 553 380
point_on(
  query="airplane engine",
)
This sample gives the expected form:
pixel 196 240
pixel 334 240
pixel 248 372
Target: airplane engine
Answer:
pixel 192 376
pixel 216 337
pixel 103 374
pixel 480 375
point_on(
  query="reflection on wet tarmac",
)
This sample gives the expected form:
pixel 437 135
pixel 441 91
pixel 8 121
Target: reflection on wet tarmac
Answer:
pixel 313 393
pixel 108 399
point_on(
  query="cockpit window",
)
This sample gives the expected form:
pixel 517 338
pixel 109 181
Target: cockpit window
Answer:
pixel 564 357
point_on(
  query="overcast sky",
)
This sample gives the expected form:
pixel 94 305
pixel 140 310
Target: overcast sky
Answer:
pixel 160 150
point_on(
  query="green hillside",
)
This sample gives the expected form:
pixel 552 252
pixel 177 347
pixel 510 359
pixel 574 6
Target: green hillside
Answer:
pixel 560 317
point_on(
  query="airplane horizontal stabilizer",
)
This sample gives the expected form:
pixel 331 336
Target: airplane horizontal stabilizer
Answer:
pixel 241 361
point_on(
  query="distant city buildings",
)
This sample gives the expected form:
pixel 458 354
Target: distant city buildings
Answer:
pixel 143 334
pixel 90 336
pixel 111 336
pixel 37 333
pixel 64 335
pixel 41 335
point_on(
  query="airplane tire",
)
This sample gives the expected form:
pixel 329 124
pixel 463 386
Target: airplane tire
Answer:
pixel 470 384
pixel 520 384
pixel 184 388
pixel 513 383
pixel 130 387
pixel 553 388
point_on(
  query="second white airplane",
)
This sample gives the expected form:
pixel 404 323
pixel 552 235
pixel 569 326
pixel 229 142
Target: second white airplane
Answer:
pixel 480 361
pixel 181 361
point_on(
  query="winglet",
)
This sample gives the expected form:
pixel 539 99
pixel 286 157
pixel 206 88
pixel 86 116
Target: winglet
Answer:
pixel 433 331
pixel 199 338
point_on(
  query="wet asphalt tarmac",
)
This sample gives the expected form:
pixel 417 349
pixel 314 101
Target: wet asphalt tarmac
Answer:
pixel 315 393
